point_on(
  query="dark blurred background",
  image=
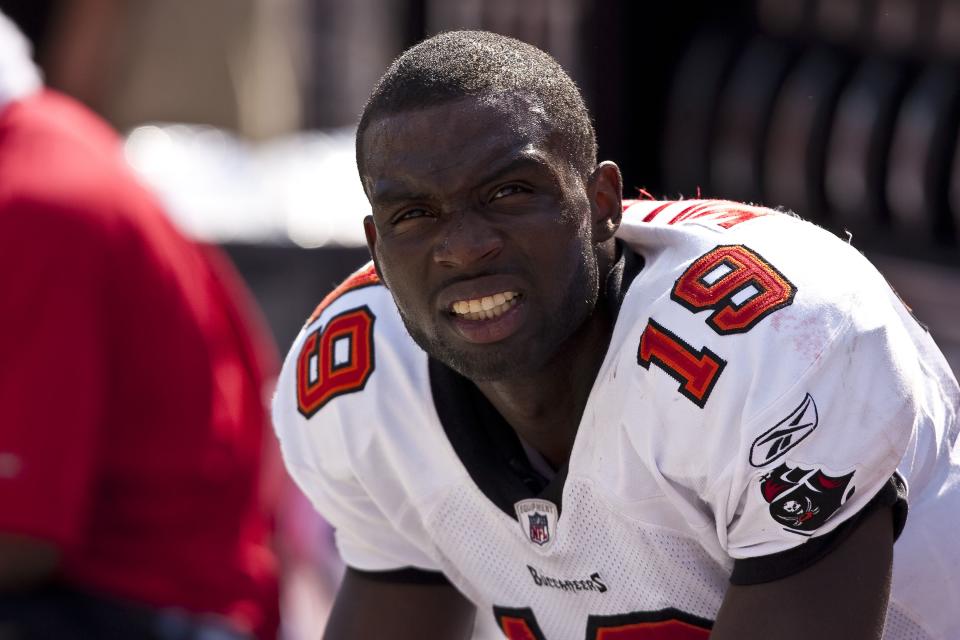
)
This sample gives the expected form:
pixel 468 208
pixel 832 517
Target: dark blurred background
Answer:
pixel 240 113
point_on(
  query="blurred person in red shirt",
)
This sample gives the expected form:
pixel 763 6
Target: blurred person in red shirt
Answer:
pixel 132 401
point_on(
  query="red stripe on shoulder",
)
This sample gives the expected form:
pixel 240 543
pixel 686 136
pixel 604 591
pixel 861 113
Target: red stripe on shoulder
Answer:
pixel 653 214
pixel 723 213
pixel 366 276
pixel 695 211
pixel 726 213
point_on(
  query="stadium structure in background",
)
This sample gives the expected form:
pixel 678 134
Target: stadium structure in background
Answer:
pixel 846 111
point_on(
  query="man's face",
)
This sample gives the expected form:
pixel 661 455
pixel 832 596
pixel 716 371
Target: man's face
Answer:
pixel 482 232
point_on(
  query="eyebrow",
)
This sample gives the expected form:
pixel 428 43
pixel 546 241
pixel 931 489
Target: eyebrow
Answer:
pixel 518 161
pixel 389 191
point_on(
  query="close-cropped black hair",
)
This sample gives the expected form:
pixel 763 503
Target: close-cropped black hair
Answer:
pixel 458 64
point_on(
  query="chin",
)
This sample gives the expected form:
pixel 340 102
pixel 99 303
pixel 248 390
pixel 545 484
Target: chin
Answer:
pixel 488 363
pixel 487 368
pixel 485 363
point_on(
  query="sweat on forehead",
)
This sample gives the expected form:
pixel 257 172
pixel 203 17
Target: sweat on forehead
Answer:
pixel 517 113
pixel 469 139
pixel 480 64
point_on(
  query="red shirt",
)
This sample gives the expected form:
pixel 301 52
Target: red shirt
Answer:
pixel 132 407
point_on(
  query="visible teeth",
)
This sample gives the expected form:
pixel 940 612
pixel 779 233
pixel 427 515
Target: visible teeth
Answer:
pixel 486 307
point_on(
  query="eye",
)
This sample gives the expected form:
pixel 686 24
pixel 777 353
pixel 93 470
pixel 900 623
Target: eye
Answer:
pixel 410 214
pixel 509 190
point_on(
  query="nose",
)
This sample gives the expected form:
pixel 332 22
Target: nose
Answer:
pixel 468 240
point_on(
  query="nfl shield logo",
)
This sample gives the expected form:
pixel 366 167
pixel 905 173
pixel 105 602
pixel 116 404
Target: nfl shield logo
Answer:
pixel 538 521
pixel 539 528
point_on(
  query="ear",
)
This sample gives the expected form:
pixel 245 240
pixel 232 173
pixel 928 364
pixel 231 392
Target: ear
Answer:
pixel 605 190
pixel 370 231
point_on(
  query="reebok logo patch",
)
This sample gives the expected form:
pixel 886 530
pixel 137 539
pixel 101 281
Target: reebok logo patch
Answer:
pixel 786 434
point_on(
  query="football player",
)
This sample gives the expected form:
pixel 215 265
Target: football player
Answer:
pixel 543 414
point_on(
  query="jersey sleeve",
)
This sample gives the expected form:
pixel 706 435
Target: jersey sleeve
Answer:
pixel 855 412
pixel 786 385
pixel 827 448
pixel 54 279
pixel 332 452
pixel 364 535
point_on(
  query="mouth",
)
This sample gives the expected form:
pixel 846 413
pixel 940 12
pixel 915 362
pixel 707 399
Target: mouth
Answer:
pixel 486 307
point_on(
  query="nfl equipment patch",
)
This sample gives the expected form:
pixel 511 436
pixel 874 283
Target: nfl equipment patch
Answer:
pixel 538 520
pixel 803 499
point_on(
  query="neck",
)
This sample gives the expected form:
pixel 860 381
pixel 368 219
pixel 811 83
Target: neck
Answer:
pixel 545 408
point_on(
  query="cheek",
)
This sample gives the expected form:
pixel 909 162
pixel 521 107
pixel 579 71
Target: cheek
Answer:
pixel 558 249
pixel 402 277
pixel 577 248
pixel 396 259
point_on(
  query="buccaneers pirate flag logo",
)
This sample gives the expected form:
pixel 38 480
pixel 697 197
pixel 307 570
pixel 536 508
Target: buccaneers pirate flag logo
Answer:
pixel 803 499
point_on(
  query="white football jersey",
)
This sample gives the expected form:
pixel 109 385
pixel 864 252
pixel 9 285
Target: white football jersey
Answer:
pixel 762 386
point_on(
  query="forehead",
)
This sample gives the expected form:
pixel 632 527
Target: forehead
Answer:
pixel 458 137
